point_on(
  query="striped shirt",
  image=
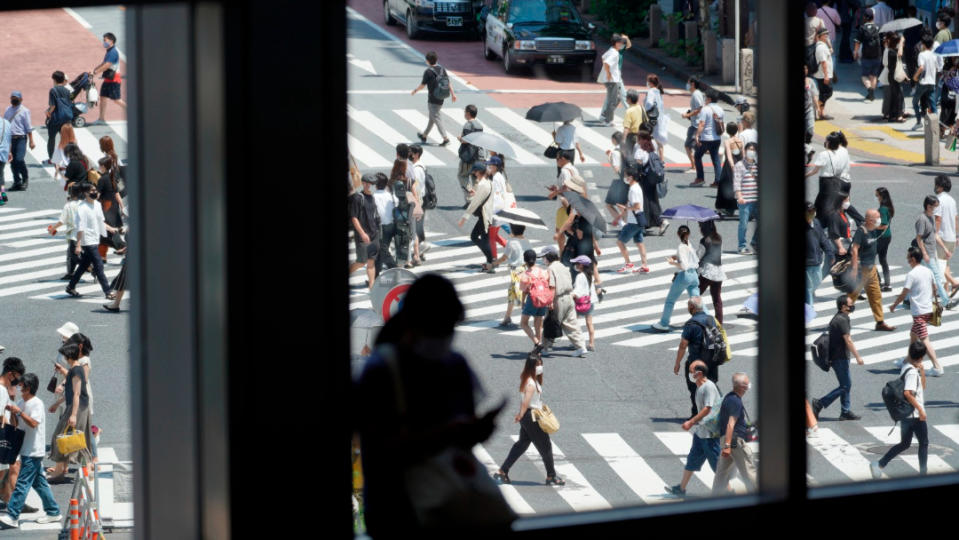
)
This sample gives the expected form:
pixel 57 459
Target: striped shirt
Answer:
pixel 745 180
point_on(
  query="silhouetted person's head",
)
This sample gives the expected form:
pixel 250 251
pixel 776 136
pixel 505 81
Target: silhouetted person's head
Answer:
pixel 427 318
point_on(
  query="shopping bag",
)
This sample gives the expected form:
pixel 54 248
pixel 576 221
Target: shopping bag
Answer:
pixel 546 419
pixel 71 441
pixel 92 95
pixel 11 440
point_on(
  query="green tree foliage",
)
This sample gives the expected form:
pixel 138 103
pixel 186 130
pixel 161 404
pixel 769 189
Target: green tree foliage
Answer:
pixel 630 17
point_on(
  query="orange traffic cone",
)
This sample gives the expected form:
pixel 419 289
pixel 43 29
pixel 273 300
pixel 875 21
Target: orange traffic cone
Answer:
pixel 74 519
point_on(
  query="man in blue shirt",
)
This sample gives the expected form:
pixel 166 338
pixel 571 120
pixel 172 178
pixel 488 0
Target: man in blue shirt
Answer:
pixel 110 67
pixel 735 452
pixel 21 131
pixel 6 137
pixel 692 339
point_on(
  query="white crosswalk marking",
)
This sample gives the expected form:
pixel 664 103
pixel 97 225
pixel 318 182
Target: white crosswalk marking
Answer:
pixel 630 467
pixel 366 155
pixel 679 443
pixel 537 134
pixel 510 493
pixel 935 463
pixel 949 430
pixel 523 156
pixel 577 492
pixel 842 455
pixel 418 121
pixel 382 130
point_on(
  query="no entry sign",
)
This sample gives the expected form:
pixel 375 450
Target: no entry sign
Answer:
pixel 388 291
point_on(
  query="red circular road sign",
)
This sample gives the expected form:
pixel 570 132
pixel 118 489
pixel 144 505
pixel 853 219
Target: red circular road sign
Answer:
pixel 391 302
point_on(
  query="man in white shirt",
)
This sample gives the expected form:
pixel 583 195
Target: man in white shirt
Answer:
pixel 707 138
pixel 914 385
pixel 90 227
pixel 30 414
pixel 928 65
pixel 919 287
pixel 10 377
pixel 610 75
pixel 882 13
pixel 566 138
pixel 824 74
pixel 947 223
pixel 747 130
pixel 68 219
pixel 384 207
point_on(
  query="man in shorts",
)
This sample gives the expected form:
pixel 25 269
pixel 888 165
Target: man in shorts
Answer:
pixel 366 228
pixel 868 50
pixel 110 68
pixel 633 229
pixel 697 99
pixel 919 288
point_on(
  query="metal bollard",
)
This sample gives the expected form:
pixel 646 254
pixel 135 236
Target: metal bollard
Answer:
pixel 932 139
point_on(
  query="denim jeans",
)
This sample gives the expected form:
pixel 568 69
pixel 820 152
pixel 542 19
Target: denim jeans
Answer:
pixel 31 476
pixel 89 255
pixel 813 279
pixel 841 368
pixel 923 92
pixel 686 280
pixel 745 212
pixel 612 100
pixel 937 275
pixel 712 147
pixel 906 429
pixel 18 147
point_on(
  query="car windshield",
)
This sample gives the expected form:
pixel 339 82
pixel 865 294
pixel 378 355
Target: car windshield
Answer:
pixel 542 12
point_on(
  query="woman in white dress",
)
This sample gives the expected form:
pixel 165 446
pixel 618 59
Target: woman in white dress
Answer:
pixel 59 158
pixel 655 108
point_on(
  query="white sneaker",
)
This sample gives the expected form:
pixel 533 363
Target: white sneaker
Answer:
pixel 49 519
pixel 875 469
pixel 8 522
pixel 659 328
pixel 812 432
pixel 898 363
pixel 582 353
pixel 933 372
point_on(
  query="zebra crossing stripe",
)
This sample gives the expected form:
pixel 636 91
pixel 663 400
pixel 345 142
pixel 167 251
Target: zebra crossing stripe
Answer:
pixel 510 493
pixel 949 430
pixel 39 152
pixel 34 263
pixel 523 156
pixel 629 466
pixel 418 120
pixel 840 454
pixel 31 253
pixel 89 144
pixel 673 155
pixel 578 492
pixel 381 129
pixel 364 154
pixel 8 209
pixel 25 215
pixel 679 443
pixel 537 134
pixel 935 463
pixel 120 127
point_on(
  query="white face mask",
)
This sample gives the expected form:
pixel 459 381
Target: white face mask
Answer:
pixel 749 387
pixel 751 155
pixel 877 223
pixel 846 205
pixel 539 370
pixel 692 378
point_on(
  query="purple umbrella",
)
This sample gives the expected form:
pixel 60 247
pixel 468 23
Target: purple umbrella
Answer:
pixel 690 212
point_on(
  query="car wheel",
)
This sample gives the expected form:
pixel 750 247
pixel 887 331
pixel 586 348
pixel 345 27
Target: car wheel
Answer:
pixel 387 16
pixel 412 31
pixel 508 66
pixel 487 53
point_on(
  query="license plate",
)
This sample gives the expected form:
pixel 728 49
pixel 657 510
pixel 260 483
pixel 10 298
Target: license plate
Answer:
pixel 454 21
pixel 555 59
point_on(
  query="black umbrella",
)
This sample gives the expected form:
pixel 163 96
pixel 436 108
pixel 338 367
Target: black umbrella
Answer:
pixel 557 111
pixel 587 209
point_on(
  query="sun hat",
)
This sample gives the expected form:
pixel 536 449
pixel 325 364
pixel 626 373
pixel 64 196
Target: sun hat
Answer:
pixel 68 329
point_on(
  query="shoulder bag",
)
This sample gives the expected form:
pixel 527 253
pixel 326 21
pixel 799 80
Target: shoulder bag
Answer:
pixel 71 441
pixel 546 420
pixel 11 440
pixel 936 319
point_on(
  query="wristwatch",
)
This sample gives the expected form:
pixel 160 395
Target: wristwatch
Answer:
pixel 727 445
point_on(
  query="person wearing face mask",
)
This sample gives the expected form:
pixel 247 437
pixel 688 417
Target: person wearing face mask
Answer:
pixel 918 288
pixel 817 248
pixel 927 241
pixel 21 131
pixel 735 452
pixel 531 388
pixel 110 68
pixel 696 102
pixel 864 247
pixel 13 371
pixel 886 213
pixel 611 76
pixel 840 345
pixel 90 227
pixel 693 341
pixel 704 425
pixel 110 201
pixel 746 189
pixel 6 140
pixel 76 414
pixel 416 400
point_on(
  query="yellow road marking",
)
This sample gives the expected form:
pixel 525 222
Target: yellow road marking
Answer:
pixel 893 132
pixel 824 128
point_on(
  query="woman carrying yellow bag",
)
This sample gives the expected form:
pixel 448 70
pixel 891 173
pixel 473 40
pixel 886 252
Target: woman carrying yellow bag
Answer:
pixel 76 415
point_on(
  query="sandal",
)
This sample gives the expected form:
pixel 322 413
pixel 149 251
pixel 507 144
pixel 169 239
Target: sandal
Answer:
pixel 502 477
pixel 555 481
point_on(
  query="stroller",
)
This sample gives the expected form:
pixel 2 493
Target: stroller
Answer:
pixel 83 83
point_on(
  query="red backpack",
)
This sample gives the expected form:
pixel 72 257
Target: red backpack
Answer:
pixel 539 291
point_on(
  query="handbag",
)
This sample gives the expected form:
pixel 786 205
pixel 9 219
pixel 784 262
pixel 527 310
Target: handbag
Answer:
pixel 552 329
pixel 71 441
pixel 900 73
pixel 451 488
pixel 546 420
pixel 11 440
pixel 653 116
pixel 583 304
pixel 551 151
pixel 936 318
pixel 52 385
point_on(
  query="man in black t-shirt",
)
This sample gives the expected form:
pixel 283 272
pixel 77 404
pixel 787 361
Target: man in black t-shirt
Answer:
pixel 433 79
pixel 865 246
pixel 366 228
pixel 59 112
pixel 840 345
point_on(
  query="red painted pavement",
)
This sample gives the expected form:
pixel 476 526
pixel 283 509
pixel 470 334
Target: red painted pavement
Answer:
pixel 464 57
pixel 35 44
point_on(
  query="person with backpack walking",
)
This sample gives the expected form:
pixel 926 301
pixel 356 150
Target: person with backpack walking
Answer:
pixel 746 188
pixel 704 425
pixel 919 289
pixel 656 112
pixel 867 49
pixel 531 388
pixel 59 112
pixel 711 275
pixel 537 297
pixel 696 341
pixel 914 379
pixel 584 296
pixel 840 345
pixel 419 211
pixel 733 431
pixel 439 87
pixel 708 138
pixel 481 206
pixel 561 282
pixel 403 206
pixel 635 224
pixel 652 179
pixel 686 279
pixel 468 153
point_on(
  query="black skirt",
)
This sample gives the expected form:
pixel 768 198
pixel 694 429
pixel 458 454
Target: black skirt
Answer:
pixel 618 192
pixel 726 195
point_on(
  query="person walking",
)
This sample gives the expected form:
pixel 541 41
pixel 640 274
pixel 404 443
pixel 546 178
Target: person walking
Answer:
pixel 840 345
pixel 110 69
pixel 532 276
pixel 468 153
pixel 947 223
pixel 119 283
pixel 79 167
pixel 693 340
pixel 867 49
pixel 886 212
pixel 383 198
pixel 893 103
pixel 835 181
pixel 830 17
pixel 439 86
pixel 366 228
pixel 30 416
pixel 696 102
pixel 481 206
pixel 746 188
pixel 635 224
pixel 110 201
pixel 864 249
pixel 516 247
pixel 704 425
pixel 6 142
pixel 651 174
pixel 735 452
pixel 501 193
pixel 611 76
pixel 75 415
pixel 418 226
pixel 635 116
pixel 918 288
pixel 817 248
pixel 711 275
pixel 622 56
pixel 403 206
pixel 60 159
pixel 824 75
pixel 686 279
pixel 561 282
pixel 59 112
pixel 733 148
pixel 565 137
pixel 657 114
pixel 927 241
pixel 68 220
pixel 90 227
pixel 531 389
pixel 21 132
pixel 708 138
pixel 914 392
pixel 925 76
pixel 584 295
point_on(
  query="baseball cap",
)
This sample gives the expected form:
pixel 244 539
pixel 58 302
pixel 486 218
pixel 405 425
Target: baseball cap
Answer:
pixel 478 167
pixel 549 250
pixel 583 260
pixel 368 178
pixel 16 94
pixel 495 160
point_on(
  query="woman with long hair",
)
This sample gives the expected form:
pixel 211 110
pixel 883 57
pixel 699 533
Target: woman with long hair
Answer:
pixel 645 146
pixel 734 149
pixel 654 101
pixel 886 212
pixel 59 158
pixel 77 166
pixel 893 103
pixel 685 280
pixel 711 275
pixel 404 229
pixel 531 388
pixel 76 414
pixel 110 201
pixel 584 295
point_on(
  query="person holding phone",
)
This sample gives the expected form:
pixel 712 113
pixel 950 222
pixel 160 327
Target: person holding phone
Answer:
pixel 531 388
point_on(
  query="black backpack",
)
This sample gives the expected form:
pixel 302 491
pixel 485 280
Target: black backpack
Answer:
pixel 402 210
pixel 893 396
pixel 429 195
pixel 714 343
pixel 869 37
pixel 820 351
pixel 442 88
pixel 656 171
pixel 811 62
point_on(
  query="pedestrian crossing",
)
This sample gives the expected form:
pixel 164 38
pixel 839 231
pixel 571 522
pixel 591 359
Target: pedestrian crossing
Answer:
pixel 88 139
pixel 373 136
pixel 615 469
